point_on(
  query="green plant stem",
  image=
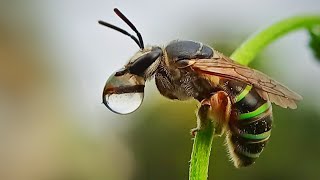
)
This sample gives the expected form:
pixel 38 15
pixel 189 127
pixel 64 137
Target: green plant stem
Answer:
pixel 243 55
pixel 201 152
pixel 251 47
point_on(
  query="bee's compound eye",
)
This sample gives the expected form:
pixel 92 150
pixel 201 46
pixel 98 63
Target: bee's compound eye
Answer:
pixel 123 94
pixel 124 103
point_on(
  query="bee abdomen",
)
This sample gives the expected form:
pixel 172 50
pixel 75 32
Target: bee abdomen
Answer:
pixel 247 141
pixel 250 127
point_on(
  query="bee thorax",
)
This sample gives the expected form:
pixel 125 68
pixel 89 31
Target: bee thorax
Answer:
pixel 181 84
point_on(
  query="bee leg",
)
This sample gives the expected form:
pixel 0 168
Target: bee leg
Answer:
pixel 217 109
pixel 220 110
pixel 202 117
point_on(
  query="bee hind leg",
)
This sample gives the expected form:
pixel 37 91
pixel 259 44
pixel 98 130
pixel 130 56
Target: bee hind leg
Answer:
pixel 217 109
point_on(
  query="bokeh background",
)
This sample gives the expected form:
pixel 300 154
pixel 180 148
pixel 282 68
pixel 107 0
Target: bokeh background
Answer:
pixel 55 59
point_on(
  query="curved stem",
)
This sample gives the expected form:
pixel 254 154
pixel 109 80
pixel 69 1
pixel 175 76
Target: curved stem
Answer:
pixel 243 55
pixel 251 47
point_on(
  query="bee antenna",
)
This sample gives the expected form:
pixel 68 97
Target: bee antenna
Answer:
pixel 122 31
pixel 126 20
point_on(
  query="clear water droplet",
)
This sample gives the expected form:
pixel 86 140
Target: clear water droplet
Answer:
pixel 123 94
pixel 124 103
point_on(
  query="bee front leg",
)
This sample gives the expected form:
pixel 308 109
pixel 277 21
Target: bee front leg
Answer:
pixel 217 109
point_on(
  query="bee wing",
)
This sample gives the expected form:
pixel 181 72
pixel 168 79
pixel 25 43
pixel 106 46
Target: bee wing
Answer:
pixel 267 88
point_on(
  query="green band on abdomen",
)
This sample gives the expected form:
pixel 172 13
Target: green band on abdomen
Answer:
pixel 257 136
pixel 243 94
pixel 256 112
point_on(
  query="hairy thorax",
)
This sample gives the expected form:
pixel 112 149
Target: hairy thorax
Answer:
pixel 181 84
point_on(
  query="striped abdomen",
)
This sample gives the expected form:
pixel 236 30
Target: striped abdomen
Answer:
pixel 249 125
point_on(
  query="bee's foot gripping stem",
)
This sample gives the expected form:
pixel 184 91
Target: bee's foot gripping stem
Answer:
pixel 194 131
pixel 202 118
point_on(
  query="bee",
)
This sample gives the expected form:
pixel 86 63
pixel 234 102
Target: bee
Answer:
pixel 237 97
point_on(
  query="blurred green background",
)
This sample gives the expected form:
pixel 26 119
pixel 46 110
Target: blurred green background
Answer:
pixel 55 59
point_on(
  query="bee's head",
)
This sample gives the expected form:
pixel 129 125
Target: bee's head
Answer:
pixel 124 90
pixel 144 63
pixel 146 60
